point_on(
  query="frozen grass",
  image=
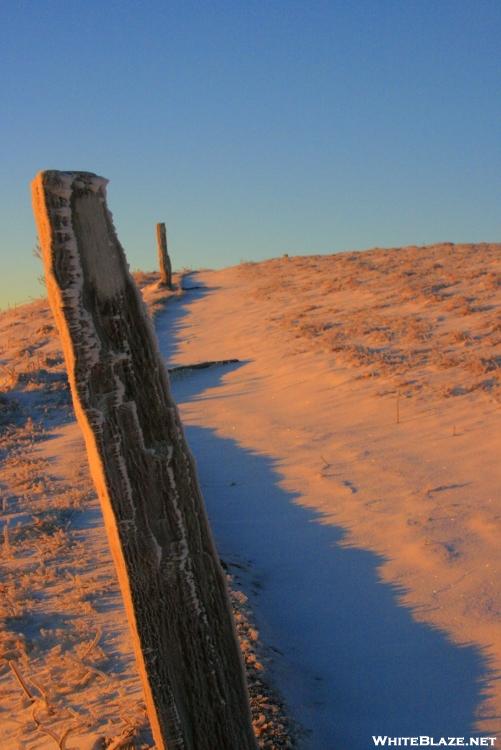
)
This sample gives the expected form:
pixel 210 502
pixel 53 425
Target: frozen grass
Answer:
pixel 396 313
pixel 67 675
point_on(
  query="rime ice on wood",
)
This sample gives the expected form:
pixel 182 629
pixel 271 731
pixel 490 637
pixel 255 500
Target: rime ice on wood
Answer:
pixel 173 586
pixel 164 263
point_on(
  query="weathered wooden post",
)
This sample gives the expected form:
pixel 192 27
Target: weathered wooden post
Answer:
pixel 163 256
pixel 169 572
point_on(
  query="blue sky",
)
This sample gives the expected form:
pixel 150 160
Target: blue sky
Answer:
pixel 254 128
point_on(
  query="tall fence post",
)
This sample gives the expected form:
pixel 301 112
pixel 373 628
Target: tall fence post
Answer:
pixel 172 583
pixel 164 262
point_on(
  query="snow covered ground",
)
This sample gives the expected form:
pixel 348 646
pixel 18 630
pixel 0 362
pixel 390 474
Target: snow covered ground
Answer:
pixel 350 464
pixel 350 661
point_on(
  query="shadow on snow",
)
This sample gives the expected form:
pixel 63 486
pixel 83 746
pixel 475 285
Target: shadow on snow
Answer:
pixel 350 661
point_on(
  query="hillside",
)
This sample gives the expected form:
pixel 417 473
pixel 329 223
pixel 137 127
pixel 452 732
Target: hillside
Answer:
pixel 368 395
pixel 363 414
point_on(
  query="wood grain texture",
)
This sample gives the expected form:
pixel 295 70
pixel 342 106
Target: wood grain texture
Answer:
pixel 173 586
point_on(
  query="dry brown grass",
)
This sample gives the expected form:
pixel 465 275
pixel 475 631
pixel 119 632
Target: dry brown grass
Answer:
pixel 413 311
pixel 66 667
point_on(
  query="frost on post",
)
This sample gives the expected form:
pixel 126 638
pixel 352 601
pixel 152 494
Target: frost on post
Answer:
pixel 172 584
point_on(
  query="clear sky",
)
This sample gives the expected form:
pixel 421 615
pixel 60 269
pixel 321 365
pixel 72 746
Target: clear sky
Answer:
pixel 254 128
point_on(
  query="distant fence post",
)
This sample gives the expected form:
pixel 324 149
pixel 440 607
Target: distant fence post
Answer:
pixel 172 583
pixel 164 263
